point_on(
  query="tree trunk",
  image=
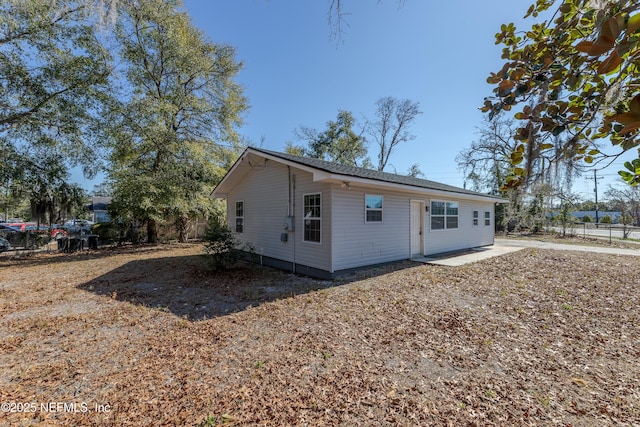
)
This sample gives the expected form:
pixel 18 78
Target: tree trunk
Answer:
pixel 182 224
pixel 152 231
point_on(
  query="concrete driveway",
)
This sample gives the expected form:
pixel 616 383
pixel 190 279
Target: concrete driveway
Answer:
pixel 504 246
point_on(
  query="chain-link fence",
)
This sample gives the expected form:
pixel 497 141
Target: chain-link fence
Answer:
pixel 595 230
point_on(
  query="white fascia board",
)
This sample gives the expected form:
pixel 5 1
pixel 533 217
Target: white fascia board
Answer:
pixel 287 162
pixel 220 192
pixel 321 176
pixel 404 187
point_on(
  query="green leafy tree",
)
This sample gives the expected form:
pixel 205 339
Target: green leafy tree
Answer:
pixel 338 143
pixel 54 204
pixel 54 82
pixel 296 150
pixel 564 218
pixel 175 130
pixel 53 78
pixel 590 205
pixel 576 77
pixel 37 176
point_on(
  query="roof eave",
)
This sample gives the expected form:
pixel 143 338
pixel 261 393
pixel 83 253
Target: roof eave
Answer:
pixel 348 179
pixel 221 190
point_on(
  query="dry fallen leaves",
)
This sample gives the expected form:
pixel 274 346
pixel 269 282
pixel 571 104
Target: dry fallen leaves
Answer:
pixel 154 336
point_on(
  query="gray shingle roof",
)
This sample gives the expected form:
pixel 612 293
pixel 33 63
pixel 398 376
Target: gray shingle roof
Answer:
pixel 375 175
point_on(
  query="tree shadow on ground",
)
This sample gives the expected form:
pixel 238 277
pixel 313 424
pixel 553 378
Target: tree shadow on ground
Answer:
pixel 188 287
pixel 51 255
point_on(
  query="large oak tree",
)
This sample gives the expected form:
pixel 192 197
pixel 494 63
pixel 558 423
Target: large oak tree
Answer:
pixel 54 73
pixel 173 126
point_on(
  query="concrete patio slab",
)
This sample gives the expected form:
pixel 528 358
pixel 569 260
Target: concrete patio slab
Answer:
pixel 505 246
pixel 476 254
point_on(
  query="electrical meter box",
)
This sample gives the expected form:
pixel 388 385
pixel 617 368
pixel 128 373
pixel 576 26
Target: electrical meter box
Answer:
pixel 289 223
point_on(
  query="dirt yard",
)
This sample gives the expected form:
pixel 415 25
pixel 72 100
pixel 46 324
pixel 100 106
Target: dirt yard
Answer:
pixel 151 336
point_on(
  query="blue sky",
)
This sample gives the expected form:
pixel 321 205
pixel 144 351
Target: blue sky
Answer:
pixel 438 53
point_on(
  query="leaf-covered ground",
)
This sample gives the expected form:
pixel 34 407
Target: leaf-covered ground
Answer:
pixel 151 336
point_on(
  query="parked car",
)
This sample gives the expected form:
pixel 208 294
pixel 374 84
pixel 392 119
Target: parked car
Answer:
pixel 6 226
pixel 4 245
pixel 7 230
pixel 56 233
pixel 18 226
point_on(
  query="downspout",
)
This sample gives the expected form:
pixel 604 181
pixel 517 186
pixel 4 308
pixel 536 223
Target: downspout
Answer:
pixel 293 198
pixel 289 191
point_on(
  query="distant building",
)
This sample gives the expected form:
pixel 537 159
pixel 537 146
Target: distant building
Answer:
pixel 98 209
pixel 615 216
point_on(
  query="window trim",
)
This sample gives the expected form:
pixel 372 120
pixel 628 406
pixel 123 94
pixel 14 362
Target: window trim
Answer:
pixel 476 216
pixel 239 217
pixel 367 209
pixel 444 216
pixel 487 218
pixel 304 219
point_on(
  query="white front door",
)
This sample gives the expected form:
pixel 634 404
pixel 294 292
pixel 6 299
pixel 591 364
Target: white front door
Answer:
pixel 416 228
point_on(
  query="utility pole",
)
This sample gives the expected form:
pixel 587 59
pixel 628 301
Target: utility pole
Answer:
pixel 595 190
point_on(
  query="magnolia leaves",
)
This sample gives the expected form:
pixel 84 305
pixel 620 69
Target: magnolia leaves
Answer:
pixel 578 75
pixel 615 31
pixel 632 175
pixel 630 120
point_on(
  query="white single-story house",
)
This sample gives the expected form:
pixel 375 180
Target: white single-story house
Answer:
pixel 323 219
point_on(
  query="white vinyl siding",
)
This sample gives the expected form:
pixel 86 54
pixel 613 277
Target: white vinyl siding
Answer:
pixel 317 255
pixel 355 243
pixel 270 192
pixel 268 188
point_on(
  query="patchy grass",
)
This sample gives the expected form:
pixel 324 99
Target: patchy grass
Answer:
pixel 151 336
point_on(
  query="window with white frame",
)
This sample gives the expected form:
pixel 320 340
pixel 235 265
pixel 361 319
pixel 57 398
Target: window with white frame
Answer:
pixel 487 218
pixel 475 217
pixel 372 208
pixel 444 215
pixel 312 217
pixel 239 216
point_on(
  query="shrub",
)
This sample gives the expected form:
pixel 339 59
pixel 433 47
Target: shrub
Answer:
pixel 627 219
pixel 587 218
pixel 108 232
pixel 606 219
pixel 220 244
